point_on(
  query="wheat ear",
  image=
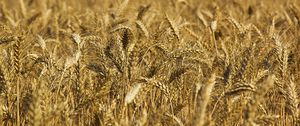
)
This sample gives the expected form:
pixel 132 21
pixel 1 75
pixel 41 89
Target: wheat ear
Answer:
pixel 204 99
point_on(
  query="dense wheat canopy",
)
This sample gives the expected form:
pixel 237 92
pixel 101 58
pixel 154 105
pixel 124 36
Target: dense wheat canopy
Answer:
pixel 149 62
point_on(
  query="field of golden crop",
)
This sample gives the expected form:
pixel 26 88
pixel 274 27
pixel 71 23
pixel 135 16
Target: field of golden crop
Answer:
pixel 149 62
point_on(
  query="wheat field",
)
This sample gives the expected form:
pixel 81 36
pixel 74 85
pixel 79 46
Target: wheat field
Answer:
pixel 149 62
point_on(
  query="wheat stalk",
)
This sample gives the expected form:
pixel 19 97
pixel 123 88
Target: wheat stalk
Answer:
pixel 142 11
pixel 258 97
pixel 174 29
pixel 17 68
pixel 23 8
pixel 142 27
pixel 204 99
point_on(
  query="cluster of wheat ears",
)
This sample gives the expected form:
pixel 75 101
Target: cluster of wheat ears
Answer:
pixel 149 62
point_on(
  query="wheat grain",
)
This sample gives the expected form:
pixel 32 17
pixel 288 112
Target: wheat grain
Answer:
pixel 132 93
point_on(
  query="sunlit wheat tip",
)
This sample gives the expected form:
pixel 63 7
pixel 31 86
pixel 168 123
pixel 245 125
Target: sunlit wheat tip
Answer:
pixel 132 93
